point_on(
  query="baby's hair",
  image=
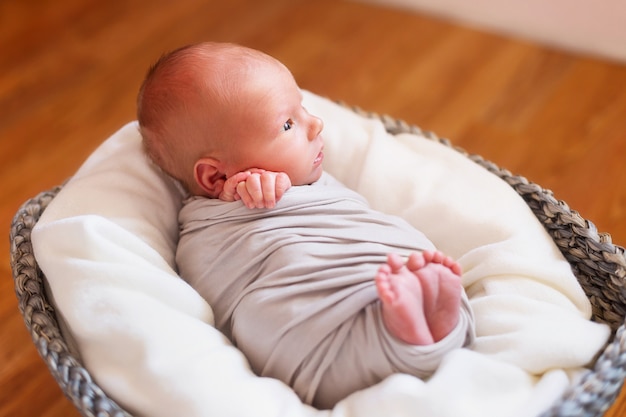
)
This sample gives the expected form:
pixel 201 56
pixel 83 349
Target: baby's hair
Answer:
pixel 153 107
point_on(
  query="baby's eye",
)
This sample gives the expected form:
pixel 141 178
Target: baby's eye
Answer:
pixel 288 125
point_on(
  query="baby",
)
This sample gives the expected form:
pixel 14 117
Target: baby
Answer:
pixel 313 286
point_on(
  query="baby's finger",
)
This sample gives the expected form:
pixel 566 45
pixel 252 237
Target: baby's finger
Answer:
pixel 244 195
pixel 227 191
pixel 268 187
pixel 229 187
pixel 256 171
pixel 240 176
pixel 282 184
pixel 255 190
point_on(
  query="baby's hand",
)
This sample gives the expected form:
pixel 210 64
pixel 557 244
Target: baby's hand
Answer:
pixel 256 188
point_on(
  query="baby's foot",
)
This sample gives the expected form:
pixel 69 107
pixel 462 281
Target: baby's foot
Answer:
pixel 440 279
pixel 402 302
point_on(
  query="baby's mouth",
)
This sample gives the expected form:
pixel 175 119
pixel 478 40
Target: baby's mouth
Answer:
pixel 319 158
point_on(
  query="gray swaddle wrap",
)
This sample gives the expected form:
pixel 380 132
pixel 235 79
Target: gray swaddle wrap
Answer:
pixel 293 287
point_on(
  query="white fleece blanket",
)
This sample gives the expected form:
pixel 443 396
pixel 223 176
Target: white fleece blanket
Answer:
pixel 106 244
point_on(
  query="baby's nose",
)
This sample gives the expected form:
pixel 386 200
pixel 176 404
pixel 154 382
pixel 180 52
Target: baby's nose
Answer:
pixel 317 125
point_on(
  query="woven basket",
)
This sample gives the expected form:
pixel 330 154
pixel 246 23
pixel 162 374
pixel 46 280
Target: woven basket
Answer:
pixel 599 266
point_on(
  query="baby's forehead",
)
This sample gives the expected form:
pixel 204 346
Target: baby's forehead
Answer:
pixel 228 85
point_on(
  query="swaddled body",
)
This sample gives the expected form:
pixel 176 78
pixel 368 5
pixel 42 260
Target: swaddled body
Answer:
pixel 293 287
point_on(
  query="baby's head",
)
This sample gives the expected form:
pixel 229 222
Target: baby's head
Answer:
pixel 210 110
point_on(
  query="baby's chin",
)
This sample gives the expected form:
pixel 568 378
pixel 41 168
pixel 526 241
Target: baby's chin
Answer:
pixel 311 178
pixel 318 173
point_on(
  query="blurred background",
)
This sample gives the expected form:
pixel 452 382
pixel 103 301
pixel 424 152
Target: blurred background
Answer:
pixel 578 25
pixel 553 111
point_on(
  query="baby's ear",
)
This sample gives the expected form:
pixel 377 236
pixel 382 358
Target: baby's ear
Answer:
pixel 209 176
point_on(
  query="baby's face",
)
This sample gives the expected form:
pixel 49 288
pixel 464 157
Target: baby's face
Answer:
pixel 274 131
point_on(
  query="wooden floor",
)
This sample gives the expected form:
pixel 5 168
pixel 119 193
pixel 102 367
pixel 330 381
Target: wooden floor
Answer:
pixel 69 72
